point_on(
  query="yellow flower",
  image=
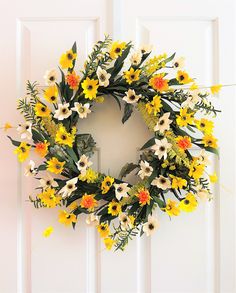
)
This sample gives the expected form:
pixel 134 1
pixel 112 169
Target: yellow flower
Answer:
pixel 213 178
pixel 215 89
pixel 184 142
pixel 51 94
pixel 55 166
pixel 48 231
pixel 41 148
pixel 103 229
pixel 106 184
pixel 7 126
pixel 22 151
pixel 41 110
pixel 154 106
pixel 109 243
pixel 183 77
pixel 49 199
pixel 184 118
pixel 114 208
pixel 171 208
pixel 73 206
pixel 90 176
pixel 66 60
pixel 158 83
pixel 210 141
pixel 178 182
pixel 196 170
pixel 132 75
pixel 88 202
pixel 116 49
pixel 66 218
pixel 205 125
pixel 189 203
pixel 193 87
pixel 90 87
pixel 65 138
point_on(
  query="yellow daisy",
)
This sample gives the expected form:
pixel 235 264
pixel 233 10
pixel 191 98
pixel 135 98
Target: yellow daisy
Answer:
pixel 103 230
pixel 66 60
pixel 171 208
pixel 90 176
pixel 49 199
pixel 66 218
pixel 183 77
pixel 178 182
pixel 132 75
pixel 90 87
pixel 196 170
pixel 114 208
pixel 154 106
pixel 55 166
pixel 116 49
pixel 41 110
pixel 189 203
pixel 205 125
pixel 51 94
pixel 210 141
pixel 65 138
pixel 22 151
pixel 106 184
pixel 184 118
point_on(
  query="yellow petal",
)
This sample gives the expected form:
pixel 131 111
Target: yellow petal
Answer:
pixel 7 126
pixel 48 231
pixel 216 88
pixel 213 178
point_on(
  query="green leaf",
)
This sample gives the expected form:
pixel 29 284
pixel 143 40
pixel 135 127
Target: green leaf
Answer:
pixel 148 144
pixel 42 167
pixel 126 169
pixel 74 48
pixel 208 149
pixel 85 144
pixel 14 142
pixel 167 60
pixel 72 154
pixel 127 112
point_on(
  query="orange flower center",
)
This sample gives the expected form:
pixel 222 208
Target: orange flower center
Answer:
pixel 159 83
pixel 143 196
pixel 184 143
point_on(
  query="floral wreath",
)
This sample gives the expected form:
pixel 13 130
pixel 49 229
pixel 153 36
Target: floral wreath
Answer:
pixel 171 176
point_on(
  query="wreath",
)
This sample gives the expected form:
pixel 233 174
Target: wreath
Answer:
pixel 172 176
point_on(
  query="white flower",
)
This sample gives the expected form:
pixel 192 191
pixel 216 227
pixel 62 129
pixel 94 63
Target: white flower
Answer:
pixel 203 194
pixel 150 226
pixel 103 77
pixel 69 187
pixel 25 130
pixel 83 164
pixel 161 147
pixel 146 170
pixel 131 97
pixel 92 220
pixel 125 221
pixel 191 100
pixel 50 77
pixel 136 58
pixel 30 169
pixel 203 158
pixel 121 190
pixel 179 63
pixel 62 112
pixel 82 110
pixel 48 182
pixel 145 49
pixel 162 182
pixel 163 123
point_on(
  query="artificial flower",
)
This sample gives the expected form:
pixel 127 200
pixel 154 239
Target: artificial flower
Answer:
pixel 178 182
pixel 146 170
pixel 55 166
pixel 41 110
pixel 203 193
pixel 184 142
pixel 65 138
pixel 158 83
pixel 103 77
pixel 215 89
pixel 209 141
pixel 82 109
pixel 88 202
pixel 136 58
pixel 106 184
pixel 109 242
pixel 114 208
pixel 189 203
pixel 161 182
pixel 103 230
pixel 69 187
pixel 73 206
pixel 30 169
pixel 89 176
pixel 49 198
pixel 179 62
pixel 150 226
pixel 203 158
pixel 62 112
pixel 171 208
pixel 205 125
pixel 83 164
pixel 121 190
pixel 73 80
pixel 47 182
pixel 51 94
pixel 154 106
pixel 132 75
pixel 163 123
pixel 50 77
pixel 25 130
pixel 66 60
pixel 184 118
pixel 125 221
pixel 191 100
pixel 116 49
pixel 41 148
pixel 183 77
pixel 145 49
pixel 196 170
pixel 22 151
pixel 48 231
pixel 161 148
pixel 131 97
pixel 90 87
pixel 92 219
pixel 7 126
pixel 66 218
pixel 143 196
pixel 213 178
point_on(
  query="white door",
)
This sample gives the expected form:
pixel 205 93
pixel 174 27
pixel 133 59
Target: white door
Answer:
pixel 191 254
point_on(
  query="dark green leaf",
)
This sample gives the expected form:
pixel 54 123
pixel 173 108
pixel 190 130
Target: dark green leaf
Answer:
pixel 127 112
pixel 126 169
pixel 14 142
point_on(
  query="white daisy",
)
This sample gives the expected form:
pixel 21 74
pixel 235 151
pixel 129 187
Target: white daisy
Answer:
pixel 82 110
pixel 125 221
pixel 30 169
pixel 203 158
pixel 92 220
pixel 203 194
pixel 69 187
pixel 83 164
pixel 50 77
pixel 150 226
pixel 62 112
pixel 191 100
pixel 163 123
pixel 146 170
pixel 103 77
pixel 179 63
pixel 121 190
pixel 145 49
pixel 162 182
pixel 131 97
pixel 136 58
pixel 25 130
pixel 47 182
pixel 161 148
